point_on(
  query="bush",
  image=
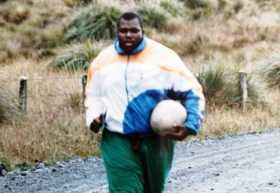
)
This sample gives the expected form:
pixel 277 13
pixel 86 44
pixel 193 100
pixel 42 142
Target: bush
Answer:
pixel 93 23
pixel 271 72
pixel 222 88
pixel 153 16
pixel 75 58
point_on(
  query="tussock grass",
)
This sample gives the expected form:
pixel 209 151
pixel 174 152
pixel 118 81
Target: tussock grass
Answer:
pixel 198 9
pixel 93 23
pixel 194 4
pixel 174 8
pixel 221 85
pixel 153 17
pixel 76 57
pixel 271 72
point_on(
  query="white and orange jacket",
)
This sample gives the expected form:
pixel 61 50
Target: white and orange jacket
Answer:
pixel 126 88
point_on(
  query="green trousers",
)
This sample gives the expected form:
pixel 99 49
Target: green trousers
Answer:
pixel 136 171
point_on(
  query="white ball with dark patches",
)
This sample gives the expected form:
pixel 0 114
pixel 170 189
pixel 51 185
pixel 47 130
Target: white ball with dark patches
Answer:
pixel 167 114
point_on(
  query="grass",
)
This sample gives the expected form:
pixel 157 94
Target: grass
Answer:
pixel 73 3
pixel 271 72
pixel 93 23
pixel 9 109
pixel 153 17
pixel 30 28
pixel 75 58
pixel 59 131
pixel 174 8
pixel 220 122
pixel 221 85
pixel 54 127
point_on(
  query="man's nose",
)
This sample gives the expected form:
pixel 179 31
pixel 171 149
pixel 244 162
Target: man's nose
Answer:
pixel 128 34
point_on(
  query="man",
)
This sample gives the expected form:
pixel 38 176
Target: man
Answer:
pixel 125 82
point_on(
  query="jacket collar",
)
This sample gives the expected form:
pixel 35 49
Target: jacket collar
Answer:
pixel 140 47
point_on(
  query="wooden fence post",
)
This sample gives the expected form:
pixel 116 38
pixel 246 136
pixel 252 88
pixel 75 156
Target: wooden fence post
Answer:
pixel 23 93
pixel 84 83
pixel 243 89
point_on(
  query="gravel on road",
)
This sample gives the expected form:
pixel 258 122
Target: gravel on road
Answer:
pixel 248 163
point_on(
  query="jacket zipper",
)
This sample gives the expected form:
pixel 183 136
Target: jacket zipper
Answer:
pixel 125 79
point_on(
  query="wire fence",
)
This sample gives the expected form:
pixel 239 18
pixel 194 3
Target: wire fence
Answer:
pixel 24 95
pixel 31 88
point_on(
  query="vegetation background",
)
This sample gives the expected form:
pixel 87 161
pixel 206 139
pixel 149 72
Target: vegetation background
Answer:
pixel 52 42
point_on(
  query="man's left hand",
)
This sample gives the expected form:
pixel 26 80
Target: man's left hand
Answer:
pixel 177 133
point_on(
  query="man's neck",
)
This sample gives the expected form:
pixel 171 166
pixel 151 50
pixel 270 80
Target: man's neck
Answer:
pixel 129 51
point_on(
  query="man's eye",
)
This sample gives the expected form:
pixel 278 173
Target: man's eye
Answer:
pixel 123 30
pixel 134 30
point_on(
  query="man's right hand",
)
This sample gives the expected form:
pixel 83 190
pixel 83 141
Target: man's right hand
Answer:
pixel 96 124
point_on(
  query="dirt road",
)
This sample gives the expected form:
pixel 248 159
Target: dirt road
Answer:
pixel 241 164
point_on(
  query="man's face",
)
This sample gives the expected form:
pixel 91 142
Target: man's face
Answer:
pixel 129 33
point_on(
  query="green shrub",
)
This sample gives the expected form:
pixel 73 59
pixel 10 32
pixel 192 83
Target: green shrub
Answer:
pixel 153 17
pixel 75 58
pixel 93 23
pixel 271 72
pixel 222 88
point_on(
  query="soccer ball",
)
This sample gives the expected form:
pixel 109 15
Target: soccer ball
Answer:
pixel 167 114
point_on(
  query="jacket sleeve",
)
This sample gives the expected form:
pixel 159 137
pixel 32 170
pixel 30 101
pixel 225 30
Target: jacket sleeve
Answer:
pixel 193 99
pixel 93 102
